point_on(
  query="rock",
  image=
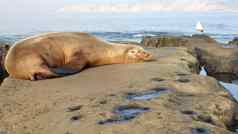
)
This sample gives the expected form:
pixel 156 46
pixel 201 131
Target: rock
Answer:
pixel 187 104
pixel 2 131
pixel 164 41
pixel 204 37
pixel 220 62
pixel 3 51
pixel 173 41
pixel 234 42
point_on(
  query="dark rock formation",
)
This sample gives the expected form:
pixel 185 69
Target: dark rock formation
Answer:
pixel 172 41
pixel 220 62
pixel 234 42
pixel 204 37
pixel 164 41
pixel 3 51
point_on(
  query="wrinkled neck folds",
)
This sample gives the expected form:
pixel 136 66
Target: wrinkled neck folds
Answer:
pixel 117 53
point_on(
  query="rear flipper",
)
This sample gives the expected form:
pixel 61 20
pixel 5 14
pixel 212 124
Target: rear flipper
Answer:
pixel 43 73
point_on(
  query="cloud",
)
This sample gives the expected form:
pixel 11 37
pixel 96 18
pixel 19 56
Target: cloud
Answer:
pixel 153 6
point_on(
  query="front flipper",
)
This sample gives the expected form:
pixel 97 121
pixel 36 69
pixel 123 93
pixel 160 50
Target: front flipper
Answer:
pixel 77 62
pixel 74 66
pixel 62 71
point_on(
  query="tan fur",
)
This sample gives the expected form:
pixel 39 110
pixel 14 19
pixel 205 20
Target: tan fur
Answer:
pixel 41 56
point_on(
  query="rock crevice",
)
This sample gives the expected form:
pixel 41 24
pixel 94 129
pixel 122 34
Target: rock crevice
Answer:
pixel 219 62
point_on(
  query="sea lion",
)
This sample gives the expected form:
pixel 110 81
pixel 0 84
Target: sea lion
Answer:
pixel 63 53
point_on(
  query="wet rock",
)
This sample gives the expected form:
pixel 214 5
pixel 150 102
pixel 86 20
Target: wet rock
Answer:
pixel 3 51
pixel 234 42
pixel 124 114
pixel 158 79
pixel 2 131
pixel 189 112
pixel 74 108
pixel 75 118
pixel 183 80
pixel 148 95
pixel 221 63
pixel 200 131
pixel 204 37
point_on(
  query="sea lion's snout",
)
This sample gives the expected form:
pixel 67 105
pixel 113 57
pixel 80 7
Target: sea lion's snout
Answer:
pixel 148 56
pixel 140 54
pixel 144 55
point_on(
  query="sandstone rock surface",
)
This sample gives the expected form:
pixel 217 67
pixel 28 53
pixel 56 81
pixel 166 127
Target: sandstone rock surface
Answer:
pixel 160 97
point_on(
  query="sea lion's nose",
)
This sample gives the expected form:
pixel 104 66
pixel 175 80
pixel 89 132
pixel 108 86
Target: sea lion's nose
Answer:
pixel 146 54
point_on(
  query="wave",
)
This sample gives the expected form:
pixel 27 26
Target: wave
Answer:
pixel 135 36
pixel 153 6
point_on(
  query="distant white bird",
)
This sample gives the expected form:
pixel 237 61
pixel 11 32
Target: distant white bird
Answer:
pixel 199 27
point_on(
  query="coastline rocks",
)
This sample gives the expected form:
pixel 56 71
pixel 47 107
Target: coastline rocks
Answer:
pixel 98 100
pixel 3 52
pixel 173 41
pixel 204 37
pixel 219 62
pixel 164 41
pixel 234 42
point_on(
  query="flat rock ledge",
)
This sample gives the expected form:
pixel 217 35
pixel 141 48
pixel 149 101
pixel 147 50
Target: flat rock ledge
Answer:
pixel 218 60
pixel 165 96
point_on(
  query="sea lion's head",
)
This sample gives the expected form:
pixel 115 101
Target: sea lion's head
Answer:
pixel 138 54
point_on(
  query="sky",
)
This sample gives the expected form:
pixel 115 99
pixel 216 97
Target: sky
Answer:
pixel 15 12
pixel 153 6
pixel 14 8
pixel 10 9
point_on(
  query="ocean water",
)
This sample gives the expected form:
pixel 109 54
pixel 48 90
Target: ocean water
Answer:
pixel 223 26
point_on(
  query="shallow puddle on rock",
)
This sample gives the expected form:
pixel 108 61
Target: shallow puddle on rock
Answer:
pixel 124 114
pixel 75 118
pixel 200 131
pixel 158 79
pixel 183 80
pixel 189 112
pixel 235 82
pixel 148 95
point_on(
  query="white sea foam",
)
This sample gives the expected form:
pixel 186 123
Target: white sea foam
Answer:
pixel 142 35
